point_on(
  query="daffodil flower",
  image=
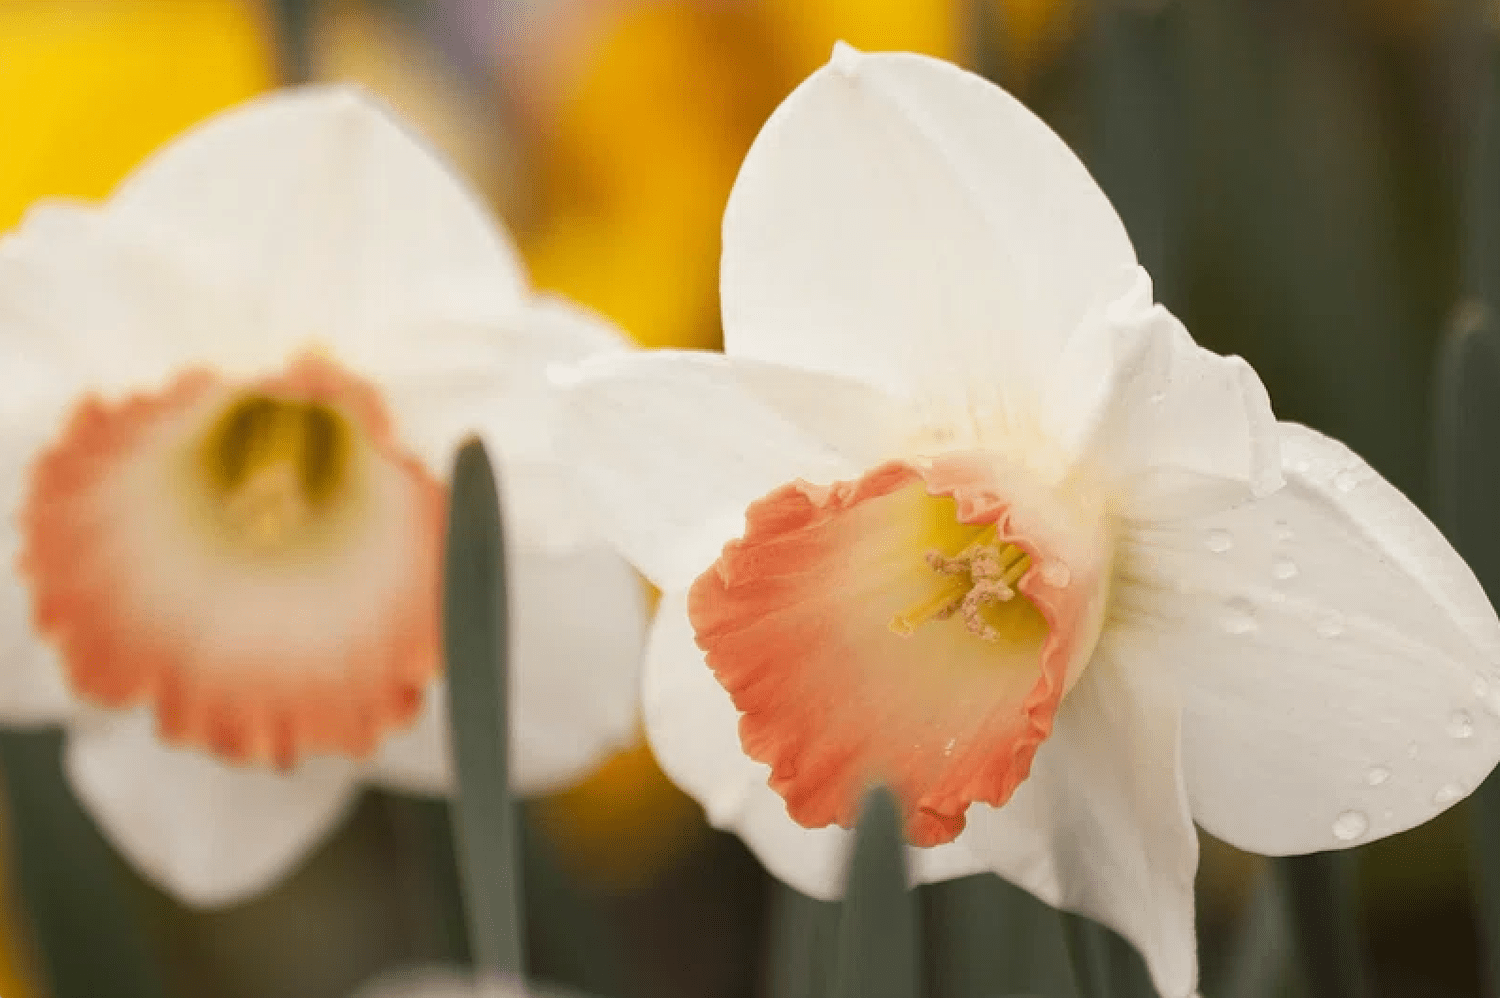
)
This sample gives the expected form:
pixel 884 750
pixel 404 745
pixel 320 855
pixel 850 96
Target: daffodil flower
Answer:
pixel 444 982
pixel 963 512
pixel 232 393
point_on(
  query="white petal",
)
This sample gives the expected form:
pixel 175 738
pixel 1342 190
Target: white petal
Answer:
pixel 439 982
pixel 906 222
pixel 672 446
pixel 578 621
pixel 417 760
pixel 1339 663
pixel 331 218
pixel 86 306
pixel 1178 429
pixel 206 833
pixel 446 376
pixel 578 624
pixel 1101 827
pixel 693 729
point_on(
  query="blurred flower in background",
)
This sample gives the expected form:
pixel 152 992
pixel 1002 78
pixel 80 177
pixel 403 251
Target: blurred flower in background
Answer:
pixel 246 375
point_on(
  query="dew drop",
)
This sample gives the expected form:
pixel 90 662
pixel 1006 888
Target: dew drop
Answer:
pixel 1239 617
pixel 1332 625
pixel 1283 532
pixel 1285 569
pixel 1219 541
pixel 1447 794
pixel 1377 775
pixel 1461 725
pixel 948 748
pixel 1350 826
pixel 1056 574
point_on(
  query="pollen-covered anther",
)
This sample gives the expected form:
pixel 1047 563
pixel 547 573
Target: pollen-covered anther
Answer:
pixel 275 466
pixel 983 573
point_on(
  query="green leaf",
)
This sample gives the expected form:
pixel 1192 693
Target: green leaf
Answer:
pixel 803 944
pixel 90 937
pixel 1135 146
pixel 475 646
pixel 987 937
pixel 877 956
pixel 1466 472
pixel 1320 897
pixel 1104 965
pixel 1261 961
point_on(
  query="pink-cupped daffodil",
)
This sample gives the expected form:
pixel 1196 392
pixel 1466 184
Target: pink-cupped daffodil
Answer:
pixel 233 393
pixel 961 511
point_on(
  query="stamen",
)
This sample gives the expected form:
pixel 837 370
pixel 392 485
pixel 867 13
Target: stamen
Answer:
pixel 981 574
pixel 273 464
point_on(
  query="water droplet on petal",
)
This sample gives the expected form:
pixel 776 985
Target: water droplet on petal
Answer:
pixel 1056 574
pixel 948 748
pixel 1447 794
pixel 1282 531
pixel 1350 826
pixel 1332 625
pixel 1377 775
pixel 1239 617
pixel 1481 687
pixel 1219 541
pixel 1285 569
pixel 1461 725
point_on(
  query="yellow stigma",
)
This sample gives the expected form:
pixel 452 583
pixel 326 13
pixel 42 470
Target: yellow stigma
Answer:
pixel 273 465
pixel 979 576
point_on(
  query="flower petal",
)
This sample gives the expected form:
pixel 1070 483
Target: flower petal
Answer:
pixel 1102 826
pixel 1177 429
pixel 416 760
pixel 906 222
pixel 260 623
pixel 693 727
pixel 799 622
pixel 672 446
pixel 578 625
pixel 209 834
pixel 449 375
pixel 331 218
pixel 1339 663
pixel 578 621
pixel 443 982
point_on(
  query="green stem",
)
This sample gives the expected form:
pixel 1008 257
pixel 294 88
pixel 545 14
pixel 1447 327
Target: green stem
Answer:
pixel 90 938
pixel 877 955
pixel 475 644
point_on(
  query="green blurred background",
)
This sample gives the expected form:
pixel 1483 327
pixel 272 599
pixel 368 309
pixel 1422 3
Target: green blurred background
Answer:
pixel 1293 172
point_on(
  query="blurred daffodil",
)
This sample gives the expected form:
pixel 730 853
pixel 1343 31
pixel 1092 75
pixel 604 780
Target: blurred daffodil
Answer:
pixel 962 511
pixel 236 387
pixel 446 982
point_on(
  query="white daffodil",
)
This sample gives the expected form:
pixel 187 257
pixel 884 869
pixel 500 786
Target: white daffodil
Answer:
pixel 232 394
pixel 440 982
pixel 963 512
